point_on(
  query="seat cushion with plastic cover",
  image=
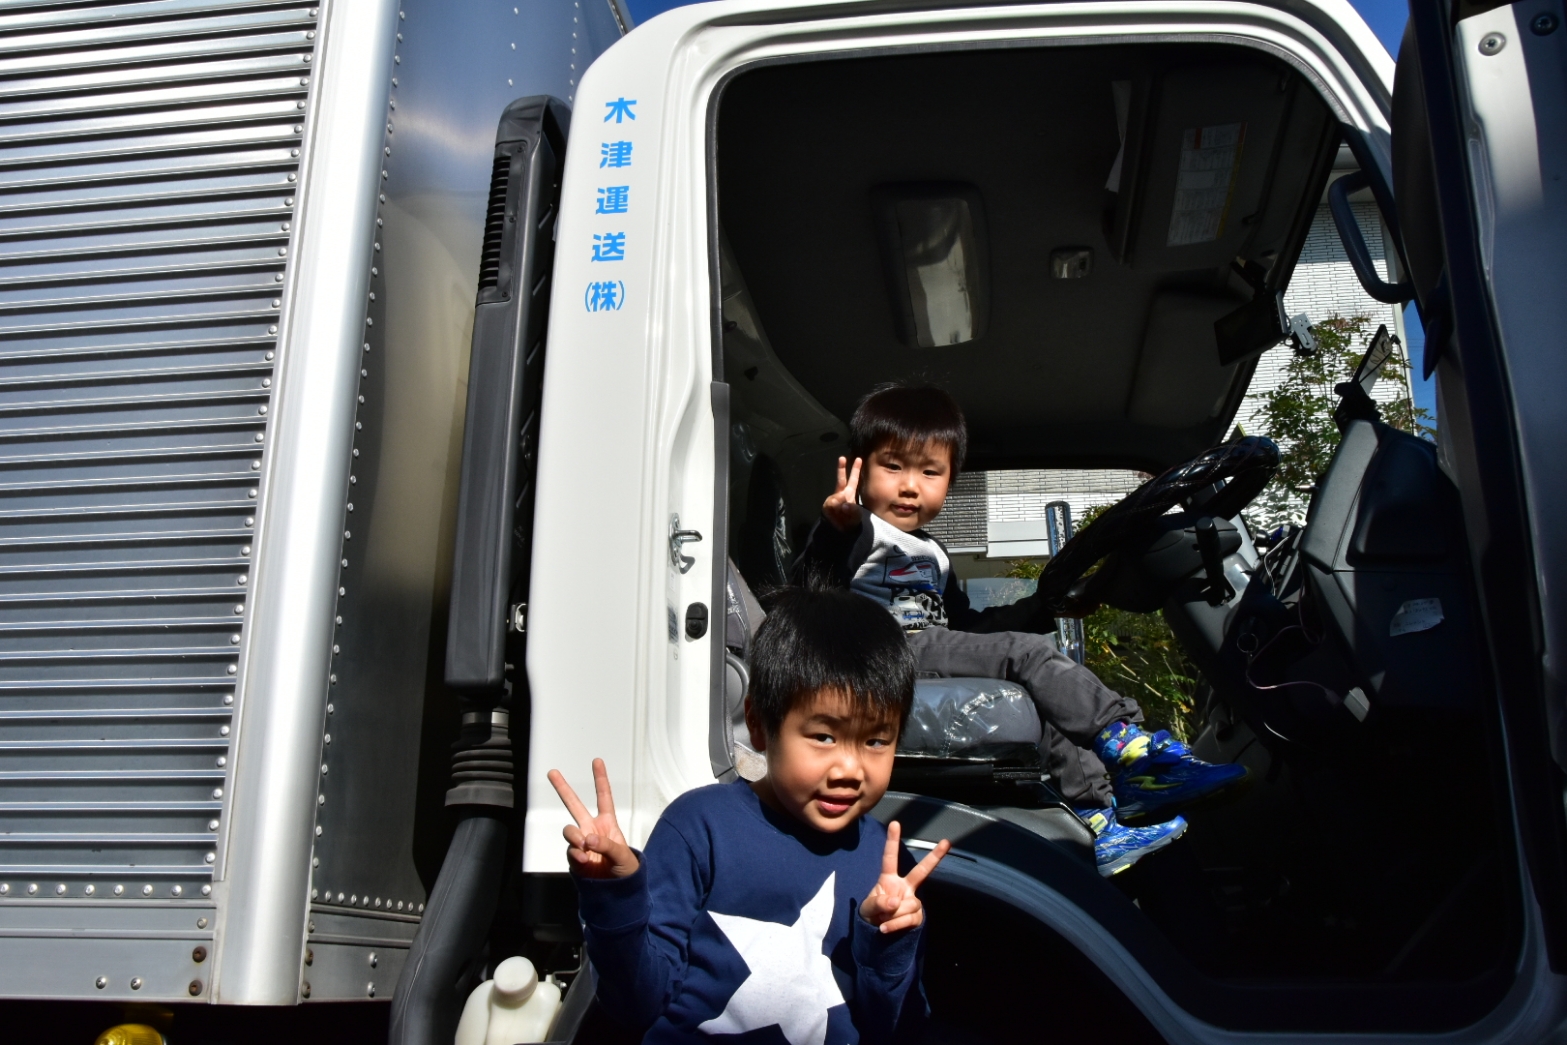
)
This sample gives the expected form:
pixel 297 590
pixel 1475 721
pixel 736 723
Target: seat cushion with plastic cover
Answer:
pixel 952 718
pixel 971 718
pixel 975 741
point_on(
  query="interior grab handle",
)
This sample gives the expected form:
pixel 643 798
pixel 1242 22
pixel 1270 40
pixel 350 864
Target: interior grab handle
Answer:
pixel 1355 242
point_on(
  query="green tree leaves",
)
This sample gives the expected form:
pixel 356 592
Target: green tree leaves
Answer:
pixel 1297 413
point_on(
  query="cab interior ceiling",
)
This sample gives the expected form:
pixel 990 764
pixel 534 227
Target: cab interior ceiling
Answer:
pixel 1118 367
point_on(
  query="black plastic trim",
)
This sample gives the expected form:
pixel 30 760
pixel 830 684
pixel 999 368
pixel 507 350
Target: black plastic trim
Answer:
pixel 720 745
pixel 505 382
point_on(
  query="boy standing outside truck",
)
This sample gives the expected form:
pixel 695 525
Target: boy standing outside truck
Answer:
pixel 908 445
pixel 778 901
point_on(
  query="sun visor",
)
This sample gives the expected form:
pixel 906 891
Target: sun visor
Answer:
pixel 1179 382
pixel 1196 165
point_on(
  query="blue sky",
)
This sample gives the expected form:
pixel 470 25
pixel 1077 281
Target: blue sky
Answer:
pixel 1386 18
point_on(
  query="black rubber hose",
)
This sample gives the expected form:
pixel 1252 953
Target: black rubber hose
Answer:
pixel 456 921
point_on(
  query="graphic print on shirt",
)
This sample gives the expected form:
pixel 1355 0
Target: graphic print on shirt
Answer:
pixel 906 572
pixel 791 981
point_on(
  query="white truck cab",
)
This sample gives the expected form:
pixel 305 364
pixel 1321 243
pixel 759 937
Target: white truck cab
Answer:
pixel 520 364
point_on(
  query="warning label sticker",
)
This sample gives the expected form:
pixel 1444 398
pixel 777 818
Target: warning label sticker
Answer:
pixel 1210 163
pixel 1416 615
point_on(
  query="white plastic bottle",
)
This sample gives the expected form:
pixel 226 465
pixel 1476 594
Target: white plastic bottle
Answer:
pixel 514 1007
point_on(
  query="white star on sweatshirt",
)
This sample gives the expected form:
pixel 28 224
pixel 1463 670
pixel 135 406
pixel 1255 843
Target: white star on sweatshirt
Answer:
pixel 791 981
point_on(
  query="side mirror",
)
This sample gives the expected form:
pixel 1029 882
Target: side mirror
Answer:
pixel 1355 402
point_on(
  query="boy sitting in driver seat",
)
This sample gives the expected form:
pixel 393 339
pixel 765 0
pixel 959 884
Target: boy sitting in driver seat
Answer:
pixel 908 444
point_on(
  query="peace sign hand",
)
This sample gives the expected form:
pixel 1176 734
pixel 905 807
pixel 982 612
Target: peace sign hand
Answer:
pixel 892 905
pixel 595 846
pixel 842 509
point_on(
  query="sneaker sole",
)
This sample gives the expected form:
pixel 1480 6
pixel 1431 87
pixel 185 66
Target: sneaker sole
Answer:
pixel 1218 795
pixel 1125 860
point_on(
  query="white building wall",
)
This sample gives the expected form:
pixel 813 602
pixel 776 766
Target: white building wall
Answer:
pixel 1324 285
pixel 1021 496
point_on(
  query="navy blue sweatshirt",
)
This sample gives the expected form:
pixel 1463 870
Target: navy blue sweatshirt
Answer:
pixel 743 919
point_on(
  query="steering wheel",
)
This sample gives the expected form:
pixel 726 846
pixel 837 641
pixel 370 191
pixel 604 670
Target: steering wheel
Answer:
pixel 1247 463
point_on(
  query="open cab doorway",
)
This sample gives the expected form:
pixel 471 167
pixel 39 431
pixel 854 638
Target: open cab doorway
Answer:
pixel 1078 220
pixel 1111 360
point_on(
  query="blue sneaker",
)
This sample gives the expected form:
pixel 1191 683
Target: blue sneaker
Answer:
pixel 1155 773
pixel 1117 847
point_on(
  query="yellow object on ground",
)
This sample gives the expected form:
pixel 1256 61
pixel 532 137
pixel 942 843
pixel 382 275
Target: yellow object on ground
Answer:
pixel 131 1034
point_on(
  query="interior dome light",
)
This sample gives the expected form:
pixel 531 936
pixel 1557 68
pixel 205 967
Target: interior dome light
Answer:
pixel 933 245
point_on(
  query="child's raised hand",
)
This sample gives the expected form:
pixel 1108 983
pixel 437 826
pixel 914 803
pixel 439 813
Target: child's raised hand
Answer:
pixel 595 846
pixel 892 905
pixel 842 509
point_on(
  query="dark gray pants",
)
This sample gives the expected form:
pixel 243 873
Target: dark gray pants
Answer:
pixel 1073 704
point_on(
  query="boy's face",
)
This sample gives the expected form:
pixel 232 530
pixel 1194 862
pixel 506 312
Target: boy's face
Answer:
pixel 826 766
pixel 907 486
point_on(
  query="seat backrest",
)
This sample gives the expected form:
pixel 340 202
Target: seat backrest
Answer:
pixel 743 614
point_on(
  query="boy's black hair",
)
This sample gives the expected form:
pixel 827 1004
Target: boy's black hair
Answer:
pixel 819 639
pixel 908 416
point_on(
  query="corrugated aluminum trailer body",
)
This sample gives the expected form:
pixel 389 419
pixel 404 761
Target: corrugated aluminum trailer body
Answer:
pixel 238 253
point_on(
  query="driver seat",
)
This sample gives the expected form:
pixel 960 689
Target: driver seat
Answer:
pixel 975 730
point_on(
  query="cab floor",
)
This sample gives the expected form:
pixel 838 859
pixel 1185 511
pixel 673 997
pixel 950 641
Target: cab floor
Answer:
pixel 992 976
